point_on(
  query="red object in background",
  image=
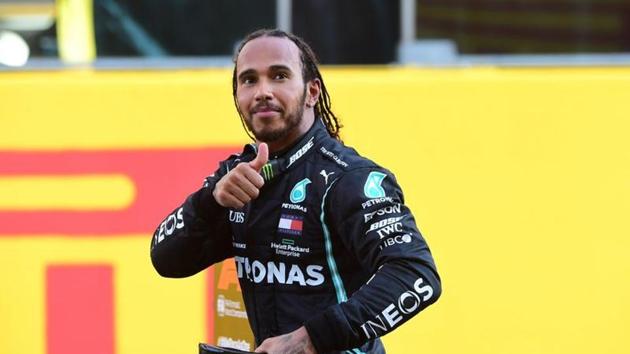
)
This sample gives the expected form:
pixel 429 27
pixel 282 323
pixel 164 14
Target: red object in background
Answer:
pixel 80 309
pixel 80 298
pixel 162 178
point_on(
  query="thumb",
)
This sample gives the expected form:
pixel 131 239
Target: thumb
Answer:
pixel 262 157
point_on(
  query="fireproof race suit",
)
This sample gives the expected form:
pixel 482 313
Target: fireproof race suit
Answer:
pixel 328 244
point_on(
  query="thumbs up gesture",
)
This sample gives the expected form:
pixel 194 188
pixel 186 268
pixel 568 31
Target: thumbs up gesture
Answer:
pixel 261 159
pixel 243 183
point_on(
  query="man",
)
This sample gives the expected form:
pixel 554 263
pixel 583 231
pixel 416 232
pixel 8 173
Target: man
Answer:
pixel 328 256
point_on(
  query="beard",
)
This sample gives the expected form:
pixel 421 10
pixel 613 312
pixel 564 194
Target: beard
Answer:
pixel 291 120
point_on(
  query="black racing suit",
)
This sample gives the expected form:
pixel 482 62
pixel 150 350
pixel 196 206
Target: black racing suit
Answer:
pixel 328 244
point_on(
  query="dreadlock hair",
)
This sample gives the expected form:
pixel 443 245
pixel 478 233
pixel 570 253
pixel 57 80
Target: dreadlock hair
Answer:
pixel 310 71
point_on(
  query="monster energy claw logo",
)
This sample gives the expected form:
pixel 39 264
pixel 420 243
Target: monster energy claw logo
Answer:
pixel 298 193
pixel 267 171
pixel 372 187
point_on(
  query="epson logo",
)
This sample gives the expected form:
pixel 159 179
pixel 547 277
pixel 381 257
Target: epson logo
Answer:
pixel 390 209
pixel 382 223
pixel 407 303
pixel 278 272
pixel 172 222
pixel 237 217
pixel 300 152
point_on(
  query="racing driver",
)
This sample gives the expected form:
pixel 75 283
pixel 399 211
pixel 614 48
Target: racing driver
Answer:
pixel 328 256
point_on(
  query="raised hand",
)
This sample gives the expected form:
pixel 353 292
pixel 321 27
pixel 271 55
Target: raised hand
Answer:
pixel 241 185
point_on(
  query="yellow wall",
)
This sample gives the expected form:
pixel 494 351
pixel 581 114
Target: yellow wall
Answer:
pixel 519 179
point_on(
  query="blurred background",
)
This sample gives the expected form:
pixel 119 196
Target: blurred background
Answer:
pixel 341 32
pixel 506 123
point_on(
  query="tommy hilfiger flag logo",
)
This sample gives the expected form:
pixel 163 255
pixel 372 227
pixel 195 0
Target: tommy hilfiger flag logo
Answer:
pixel 290 224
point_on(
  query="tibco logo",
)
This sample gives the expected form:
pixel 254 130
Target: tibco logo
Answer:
pixel 408 302
pixel 278 272
pixel 172 222
pixel 396 240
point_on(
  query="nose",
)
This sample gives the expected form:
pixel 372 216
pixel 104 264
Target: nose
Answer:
pixel 263 91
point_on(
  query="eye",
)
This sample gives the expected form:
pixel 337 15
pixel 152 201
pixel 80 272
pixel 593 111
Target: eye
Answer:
pixel 280 76
pixel 248 80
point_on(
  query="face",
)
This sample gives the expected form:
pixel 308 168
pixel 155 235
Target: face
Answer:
pixel 271 94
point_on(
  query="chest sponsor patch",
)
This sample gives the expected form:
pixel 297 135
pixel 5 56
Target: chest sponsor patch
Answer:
pixel 289 250
pixel 301 152
pixel 291 224
pixel 294 207
pixel 237 217
pixel 298 193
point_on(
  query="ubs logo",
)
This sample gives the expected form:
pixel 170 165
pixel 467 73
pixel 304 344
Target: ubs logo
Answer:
pixel 237 217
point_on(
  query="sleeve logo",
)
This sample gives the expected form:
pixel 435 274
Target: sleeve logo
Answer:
pixel 372 187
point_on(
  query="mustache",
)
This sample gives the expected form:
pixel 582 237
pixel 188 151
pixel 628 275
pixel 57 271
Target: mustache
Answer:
pixel 265 107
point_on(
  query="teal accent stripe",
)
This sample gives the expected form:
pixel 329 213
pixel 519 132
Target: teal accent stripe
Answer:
pixel 354 351
pixel 332 265
pixel 339 289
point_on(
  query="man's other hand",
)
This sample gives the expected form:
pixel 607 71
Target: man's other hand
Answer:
pixel 296 342
pixel 243 183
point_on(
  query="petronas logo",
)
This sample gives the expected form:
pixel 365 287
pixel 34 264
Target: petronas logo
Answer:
pixel 372 187
pixel 298 193
pixel 267 171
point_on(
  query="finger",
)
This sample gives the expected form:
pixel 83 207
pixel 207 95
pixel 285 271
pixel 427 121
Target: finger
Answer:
pixel 262 348
pixel 262 157
pixel 248 172
pixel 231 201
pixel 254 178
pixel 231 187
pixel 237 192
pixel 243 182
pixel 237 180
pixel 227 200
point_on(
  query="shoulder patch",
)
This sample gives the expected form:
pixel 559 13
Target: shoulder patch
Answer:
pixel 372 187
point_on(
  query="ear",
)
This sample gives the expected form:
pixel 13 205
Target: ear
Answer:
pixel 313 90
